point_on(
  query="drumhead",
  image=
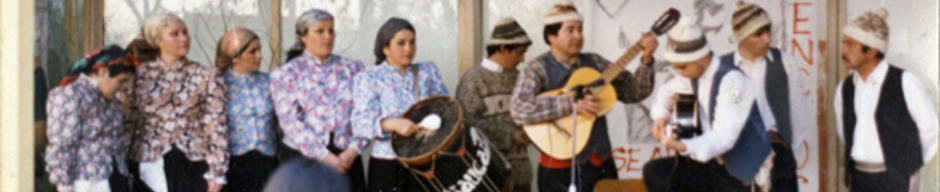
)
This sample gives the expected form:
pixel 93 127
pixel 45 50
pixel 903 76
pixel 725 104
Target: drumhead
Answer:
pixel 413 150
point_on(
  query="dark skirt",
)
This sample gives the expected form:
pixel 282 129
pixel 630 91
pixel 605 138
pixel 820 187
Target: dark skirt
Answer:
pixel 249 172
pixel 355 174
pixel 390 175
pixel 182 175
pixel 118 182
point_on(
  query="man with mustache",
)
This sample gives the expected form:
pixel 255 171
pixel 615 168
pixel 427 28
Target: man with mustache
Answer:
pixel 883 107
pixel 550 71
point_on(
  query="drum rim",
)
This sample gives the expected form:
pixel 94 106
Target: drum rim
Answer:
pixel 424 158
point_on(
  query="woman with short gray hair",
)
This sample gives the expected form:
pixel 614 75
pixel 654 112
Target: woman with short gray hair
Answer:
pixel 313 94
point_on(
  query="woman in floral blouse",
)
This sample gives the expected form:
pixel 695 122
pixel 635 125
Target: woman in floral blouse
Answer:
pixel 87 144
pixel 250 112
pixel 383 93
pixel 313 99
pixel 177 108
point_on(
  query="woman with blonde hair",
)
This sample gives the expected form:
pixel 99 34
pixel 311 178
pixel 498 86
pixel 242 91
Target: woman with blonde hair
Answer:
pixel 313 95
pixel 250 111
pixel 177 109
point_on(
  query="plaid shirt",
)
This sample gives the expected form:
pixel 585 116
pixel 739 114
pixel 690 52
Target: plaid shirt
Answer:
pixel 528 107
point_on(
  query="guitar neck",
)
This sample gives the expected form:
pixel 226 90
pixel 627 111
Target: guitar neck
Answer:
pixel 615 69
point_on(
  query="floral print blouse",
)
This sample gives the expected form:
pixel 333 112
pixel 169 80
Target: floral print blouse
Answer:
pixel 381 93
pixel 85 134
pixel 183 107
pixel 250 113
pixel 313 98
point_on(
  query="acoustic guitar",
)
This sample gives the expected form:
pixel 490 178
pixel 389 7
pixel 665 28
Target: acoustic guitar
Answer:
pixel 554 137
pixel 685 118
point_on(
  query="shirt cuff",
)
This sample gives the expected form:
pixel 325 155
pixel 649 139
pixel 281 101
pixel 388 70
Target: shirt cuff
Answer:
pixel 64 187
pixel 218 179
pixel 693 150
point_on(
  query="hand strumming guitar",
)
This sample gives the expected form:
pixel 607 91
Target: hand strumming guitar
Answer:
pixel 588 105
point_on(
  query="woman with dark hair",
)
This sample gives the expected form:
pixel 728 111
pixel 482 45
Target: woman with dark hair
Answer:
pixel 313 95
pixel 177 108
pixel 307 175
pixel 87 142
pixel 250 111
pixel 382 95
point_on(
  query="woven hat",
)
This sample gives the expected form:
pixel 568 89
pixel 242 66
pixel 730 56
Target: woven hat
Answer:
pixel 747 19
pixel 508 32
pixel 685 42
pixel 561 12
pixel 870 29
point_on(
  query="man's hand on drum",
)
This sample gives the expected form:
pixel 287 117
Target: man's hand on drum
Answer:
pixel 401 126
pixel 520 137
pixel 334 162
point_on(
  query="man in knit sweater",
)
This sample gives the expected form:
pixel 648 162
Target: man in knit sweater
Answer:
pixel 484 92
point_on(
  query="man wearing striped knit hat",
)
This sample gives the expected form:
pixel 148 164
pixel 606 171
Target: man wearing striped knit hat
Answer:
pixel 484 93
pixel 773 74
pixel 883 113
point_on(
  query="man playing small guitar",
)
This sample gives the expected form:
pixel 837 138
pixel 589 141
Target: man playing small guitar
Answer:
pixel 551 71
pixel 733 144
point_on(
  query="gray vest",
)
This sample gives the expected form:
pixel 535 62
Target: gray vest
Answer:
pixel 557 76
pixel 777 90
pixel 752 147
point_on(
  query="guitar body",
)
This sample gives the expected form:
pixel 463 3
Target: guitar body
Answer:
pixel 554 137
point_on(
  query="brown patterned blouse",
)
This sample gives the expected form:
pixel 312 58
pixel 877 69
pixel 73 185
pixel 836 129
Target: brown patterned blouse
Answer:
pixel 182 107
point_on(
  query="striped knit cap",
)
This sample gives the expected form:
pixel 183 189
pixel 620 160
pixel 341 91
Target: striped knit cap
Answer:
pixel 508 32
pixel 561 12
pixel 870 29
pixel 686 42
pixel 747 20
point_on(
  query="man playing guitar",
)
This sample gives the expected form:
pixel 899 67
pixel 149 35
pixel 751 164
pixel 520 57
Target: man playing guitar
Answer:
pixel 550 71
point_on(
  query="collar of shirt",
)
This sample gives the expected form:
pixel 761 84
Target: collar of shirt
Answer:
pixel 564 64
pixel 739 59
pixel 389 69
pixel 162 65
pixel 491 66
pixel 315 61
pixel 90 84
pixel 876 77
pixel 241 78
pixel 709 74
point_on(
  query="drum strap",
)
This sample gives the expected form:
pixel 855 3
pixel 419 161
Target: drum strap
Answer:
pixel 414 71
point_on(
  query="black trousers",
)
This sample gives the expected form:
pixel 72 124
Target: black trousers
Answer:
pixel 783 174
pixel 880 182
pixel 559 179
pixel 684 174
pixel 355 174
pixel 390 175
pixel 249 172
pixel 182 175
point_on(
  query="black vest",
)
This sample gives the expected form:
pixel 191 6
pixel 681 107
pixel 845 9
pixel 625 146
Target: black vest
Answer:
pixel 900 140
pixel 744 160
pixel 777 89
pixel 557 75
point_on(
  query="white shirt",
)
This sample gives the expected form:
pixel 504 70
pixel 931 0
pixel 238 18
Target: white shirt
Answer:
pixel 491 66
pixel 867 93
pixel 757 72
pixel 735 98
